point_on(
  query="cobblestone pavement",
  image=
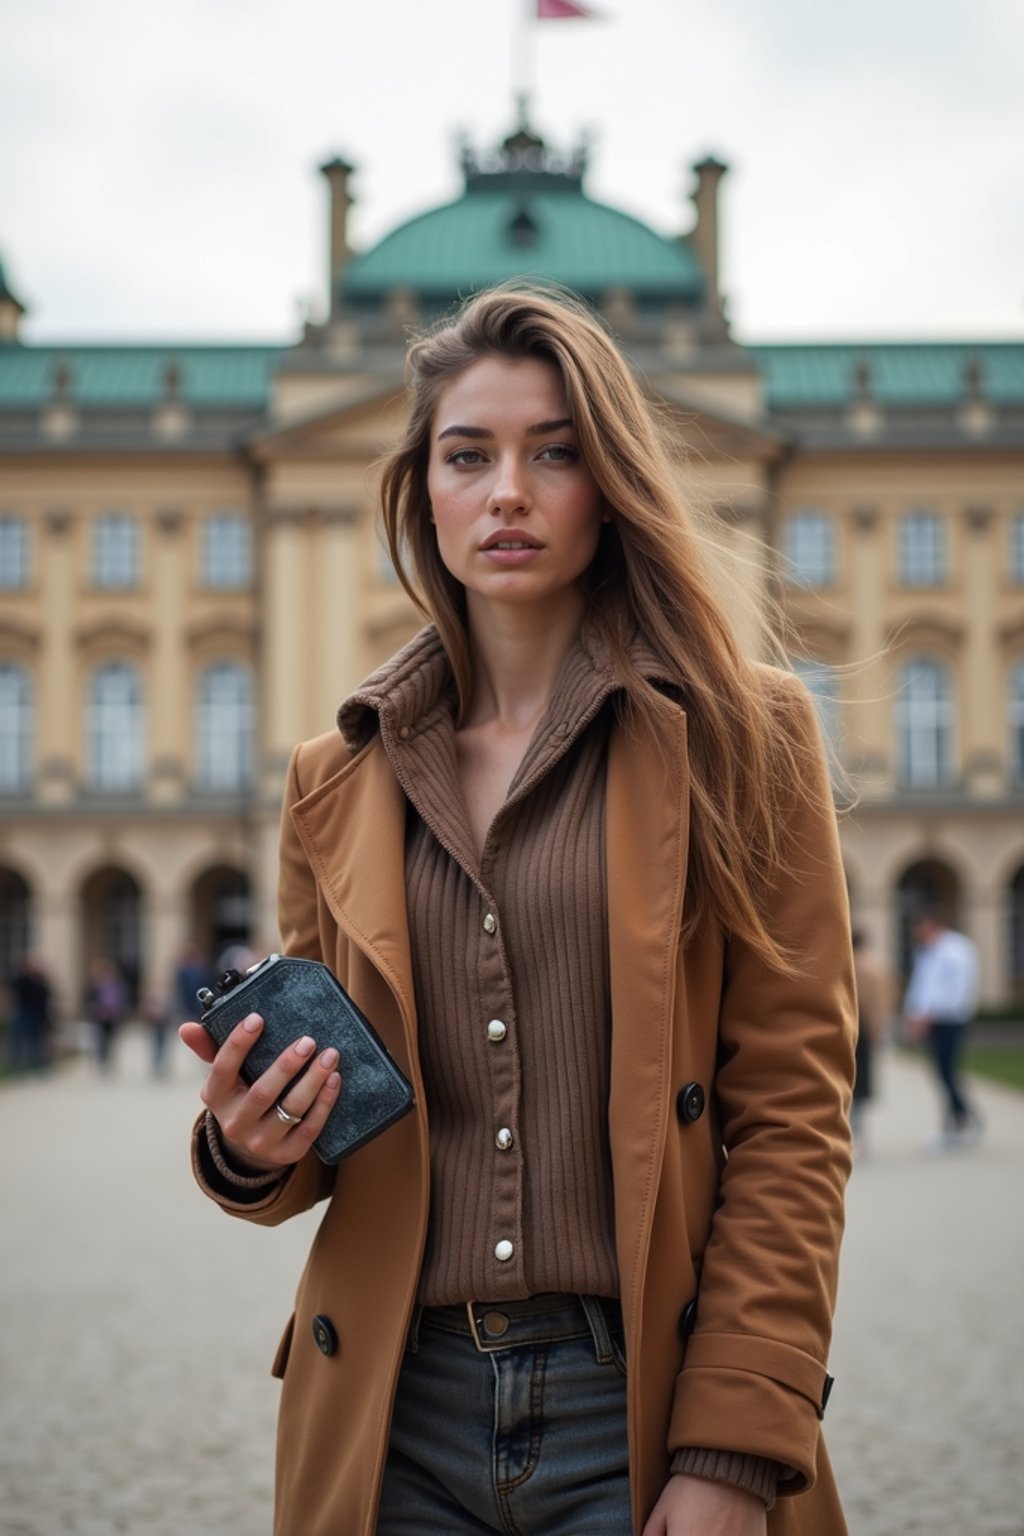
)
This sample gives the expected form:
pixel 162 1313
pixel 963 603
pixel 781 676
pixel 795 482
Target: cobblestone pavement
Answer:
pixel 139 1323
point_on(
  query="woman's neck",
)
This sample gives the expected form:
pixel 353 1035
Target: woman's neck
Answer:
pixel 517 654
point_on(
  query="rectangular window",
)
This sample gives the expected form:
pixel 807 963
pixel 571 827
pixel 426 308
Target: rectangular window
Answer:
pixel 13 554
pixel 115 552
pixel 1017 548
pixel 227 551
pixel 810 550
pixel 922 550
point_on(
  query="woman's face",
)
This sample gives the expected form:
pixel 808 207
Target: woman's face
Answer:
pixel 518 513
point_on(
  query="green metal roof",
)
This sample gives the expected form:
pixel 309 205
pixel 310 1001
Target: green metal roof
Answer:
pixel 564 237
pixel 238 377
pixel 126 376
pixel 898 373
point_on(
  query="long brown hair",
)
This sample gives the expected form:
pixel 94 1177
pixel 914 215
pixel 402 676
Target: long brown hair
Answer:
pixel 648 580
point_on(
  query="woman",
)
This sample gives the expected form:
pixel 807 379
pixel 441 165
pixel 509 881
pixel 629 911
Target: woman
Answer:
pixel 577 861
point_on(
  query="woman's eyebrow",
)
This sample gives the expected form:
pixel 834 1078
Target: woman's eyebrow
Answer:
pixel 537 430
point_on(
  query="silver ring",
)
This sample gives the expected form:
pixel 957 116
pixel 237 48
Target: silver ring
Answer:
pixel 285 1117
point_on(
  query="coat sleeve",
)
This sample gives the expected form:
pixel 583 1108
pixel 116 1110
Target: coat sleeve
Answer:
pixel 754 1377
pixel 306 1182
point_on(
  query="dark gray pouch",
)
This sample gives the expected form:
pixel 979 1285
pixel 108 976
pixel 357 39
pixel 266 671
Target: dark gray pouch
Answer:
pixel 302 997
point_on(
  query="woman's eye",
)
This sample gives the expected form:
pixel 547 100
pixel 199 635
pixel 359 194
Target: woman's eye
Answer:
pixel 559 453
pixel 466 456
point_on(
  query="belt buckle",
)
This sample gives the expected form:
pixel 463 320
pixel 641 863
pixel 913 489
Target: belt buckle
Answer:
pixel 485 1349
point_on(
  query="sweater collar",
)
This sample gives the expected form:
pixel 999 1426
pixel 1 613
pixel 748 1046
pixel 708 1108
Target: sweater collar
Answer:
pixel 419 678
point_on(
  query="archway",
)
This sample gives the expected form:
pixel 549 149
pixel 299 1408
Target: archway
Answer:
pixel 221 908
pixel 111 924
pixel 927 883
pixel 15 919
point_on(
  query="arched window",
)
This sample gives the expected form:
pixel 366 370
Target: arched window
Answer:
pixel 224 727
pixel 1015 713
pixel 15 729
pixel 114 728
pixel 925 719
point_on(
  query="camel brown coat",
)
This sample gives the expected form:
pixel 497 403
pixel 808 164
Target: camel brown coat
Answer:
pixel 738 1210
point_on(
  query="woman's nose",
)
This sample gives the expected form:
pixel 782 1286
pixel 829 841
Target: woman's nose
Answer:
pixel 510 490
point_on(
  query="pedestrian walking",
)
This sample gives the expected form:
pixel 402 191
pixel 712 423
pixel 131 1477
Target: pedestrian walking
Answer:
pixel 577 861
pixel 106 1004
pixel 31 1015
pixel 939 1005
pixel 874 1007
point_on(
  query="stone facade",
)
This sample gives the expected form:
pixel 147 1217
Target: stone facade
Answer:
pixel 191 580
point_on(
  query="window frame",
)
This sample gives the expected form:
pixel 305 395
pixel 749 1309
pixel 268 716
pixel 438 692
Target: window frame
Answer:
pixel 941 707
pixel 933 571
pixel 221 569
pixel 821 570
pixel 14 553
pixel 221 772
pixel 17 729
pixel 116 564
pixel 1016 550
pixel 115 754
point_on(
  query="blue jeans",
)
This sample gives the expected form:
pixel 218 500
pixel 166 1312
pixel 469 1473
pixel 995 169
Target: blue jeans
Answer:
pixel 511 1419
pixel 946 1038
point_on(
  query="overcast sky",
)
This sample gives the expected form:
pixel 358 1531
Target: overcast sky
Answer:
pixel 158 166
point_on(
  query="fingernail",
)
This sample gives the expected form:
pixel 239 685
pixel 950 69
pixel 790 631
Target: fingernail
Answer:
pixel 305 1045
pixel 329 1058
pixel 252 1023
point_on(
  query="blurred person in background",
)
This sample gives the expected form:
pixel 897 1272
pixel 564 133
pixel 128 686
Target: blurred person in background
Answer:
pixel 938 1007
pixel 874 1007
pixel 107 1004
pixel 31 1015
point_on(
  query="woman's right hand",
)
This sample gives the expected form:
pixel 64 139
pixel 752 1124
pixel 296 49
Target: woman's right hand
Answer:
pixel 253 1132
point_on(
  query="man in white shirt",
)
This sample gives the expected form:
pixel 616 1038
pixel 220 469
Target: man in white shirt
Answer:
pixel 939 1005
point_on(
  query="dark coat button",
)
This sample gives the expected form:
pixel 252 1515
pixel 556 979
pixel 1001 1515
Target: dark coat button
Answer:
pixel 325 1336
pixel 688 1319
pixel 690 1102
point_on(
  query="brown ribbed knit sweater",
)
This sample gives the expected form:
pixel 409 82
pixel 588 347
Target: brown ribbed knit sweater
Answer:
pixel 510 960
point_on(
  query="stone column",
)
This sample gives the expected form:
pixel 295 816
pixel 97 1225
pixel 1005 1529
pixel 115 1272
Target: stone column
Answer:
pixel 56 937
pixel 287 655
pixel 338 572
pixel 870 723
pixel 168 714
pixel 59 710
pixel 982 731
pixel 987 928
pixel 744 532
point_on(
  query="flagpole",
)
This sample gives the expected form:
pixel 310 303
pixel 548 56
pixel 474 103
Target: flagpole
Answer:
pixel 522 56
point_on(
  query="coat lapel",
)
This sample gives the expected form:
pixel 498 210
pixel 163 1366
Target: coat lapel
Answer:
pixel 353 831
pixel 647 825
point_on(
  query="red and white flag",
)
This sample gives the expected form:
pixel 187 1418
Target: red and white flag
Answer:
pixel 564 10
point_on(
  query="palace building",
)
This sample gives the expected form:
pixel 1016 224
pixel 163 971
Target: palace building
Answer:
pixel 191 578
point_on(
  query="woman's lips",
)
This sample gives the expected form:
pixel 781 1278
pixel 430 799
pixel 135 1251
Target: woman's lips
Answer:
pixel 510 552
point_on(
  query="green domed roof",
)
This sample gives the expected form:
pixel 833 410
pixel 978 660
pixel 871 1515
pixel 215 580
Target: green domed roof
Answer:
pixel 524 213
